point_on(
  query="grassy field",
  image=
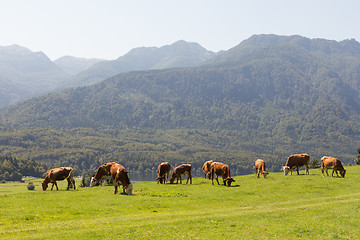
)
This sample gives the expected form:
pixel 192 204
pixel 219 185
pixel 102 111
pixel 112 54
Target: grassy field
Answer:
pixel 279 207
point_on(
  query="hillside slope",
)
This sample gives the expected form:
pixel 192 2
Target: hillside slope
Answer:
pixel 25 74
pixel 274 93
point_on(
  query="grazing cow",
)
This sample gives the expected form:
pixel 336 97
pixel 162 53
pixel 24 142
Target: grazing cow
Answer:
pixel 102 172
pixel 163 172
pixel 58 174
pixel 206 169
pixel 221 169
pixel 184 169
pixel 260 168
pixel 296 161
pixel 120 177
pixel 334 163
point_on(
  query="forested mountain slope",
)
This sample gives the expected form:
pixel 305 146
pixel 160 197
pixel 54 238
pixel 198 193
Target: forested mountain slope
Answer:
pixel 278 95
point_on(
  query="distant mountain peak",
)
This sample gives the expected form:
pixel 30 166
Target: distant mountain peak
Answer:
pixel 74 65
pixel 176 55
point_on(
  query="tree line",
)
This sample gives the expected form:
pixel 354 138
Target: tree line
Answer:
pixel 141 150
pixel 13 169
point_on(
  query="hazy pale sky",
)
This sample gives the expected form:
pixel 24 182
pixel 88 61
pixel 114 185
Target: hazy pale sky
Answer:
pixel 110 28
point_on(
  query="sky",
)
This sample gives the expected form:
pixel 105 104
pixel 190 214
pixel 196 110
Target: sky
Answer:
pixel 108 29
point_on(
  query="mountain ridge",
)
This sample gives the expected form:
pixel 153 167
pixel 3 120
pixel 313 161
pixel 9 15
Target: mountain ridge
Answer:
pixel 178 54
pixel 272 101
pixel 25 74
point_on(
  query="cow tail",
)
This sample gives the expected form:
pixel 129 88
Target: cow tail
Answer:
pixel 228 172
pixel 70 176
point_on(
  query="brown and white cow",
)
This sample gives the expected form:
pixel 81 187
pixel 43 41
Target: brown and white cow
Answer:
pixel 184 169
pixel 120 177
pixel 296 161
pixel 206 169
pixel 221 169
pixel 102 172
pixel 58 174
pixel 334 163
pixel 260 168
pixel 163 172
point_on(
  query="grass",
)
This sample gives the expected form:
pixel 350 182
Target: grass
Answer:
pixel 279 207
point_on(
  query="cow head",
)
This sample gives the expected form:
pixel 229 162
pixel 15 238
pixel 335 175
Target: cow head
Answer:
pixel 172 178
pixel 129 189
pixel 161 179
pixel 265 173
pixel 93 182
pixel 342 173
pixel 286 169
pixel 44 185
pixel 229 180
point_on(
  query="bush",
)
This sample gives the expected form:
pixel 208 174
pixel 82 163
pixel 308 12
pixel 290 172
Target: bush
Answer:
pixel 314 163
pixel 85 180
pixel 357 159
pixel 30 186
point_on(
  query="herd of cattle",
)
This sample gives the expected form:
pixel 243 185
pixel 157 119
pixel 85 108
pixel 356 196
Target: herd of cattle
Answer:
pixel 211 169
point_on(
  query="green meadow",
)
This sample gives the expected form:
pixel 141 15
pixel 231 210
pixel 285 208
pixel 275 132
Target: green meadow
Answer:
pixel 279 207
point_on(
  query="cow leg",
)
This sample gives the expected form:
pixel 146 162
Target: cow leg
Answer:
pixel 189 177
pixel 180 179
pixel 307 169
pixel 57 189
pixel 326 171
pixel 101 181
pixel 332 174
pixel 217 179
pixel 297 170
pixel 115 188
pixel 73 181
pixel 69 182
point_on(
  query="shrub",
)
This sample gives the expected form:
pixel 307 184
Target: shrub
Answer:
pixel 30 186
pixel 357 159
pixel 314 163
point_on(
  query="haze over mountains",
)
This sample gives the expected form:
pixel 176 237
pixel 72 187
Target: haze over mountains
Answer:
pixel 74 65
pixel 276 94
pixel 177 55
pixel 25 74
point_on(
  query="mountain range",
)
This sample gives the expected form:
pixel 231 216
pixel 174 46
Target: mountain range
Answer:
pixel 177 55
pixel 276 94
pixel 25 74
